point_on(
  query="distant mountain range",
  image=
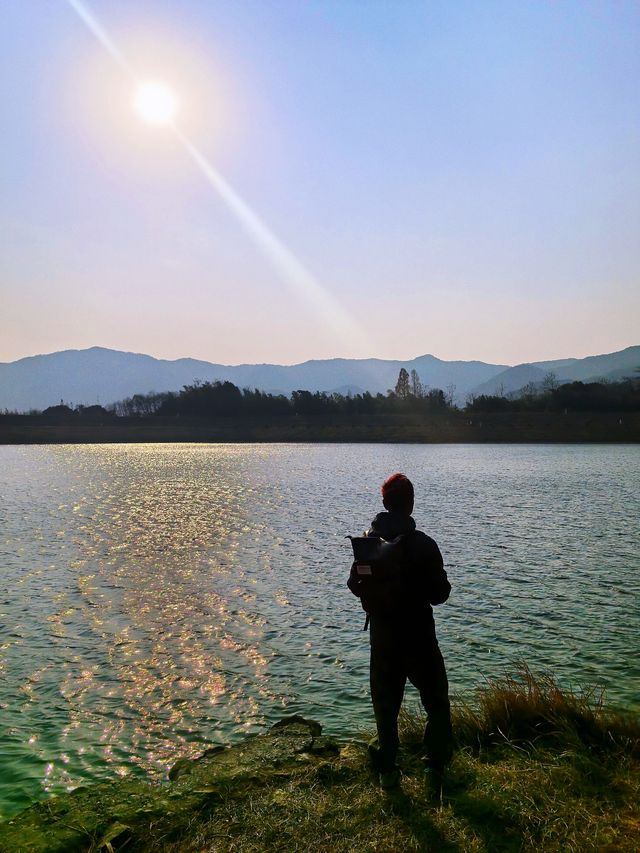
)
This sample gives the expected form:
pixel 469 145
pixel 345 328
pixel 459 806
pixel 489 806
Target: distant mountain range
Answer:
pixel 613 366
pixel 104 375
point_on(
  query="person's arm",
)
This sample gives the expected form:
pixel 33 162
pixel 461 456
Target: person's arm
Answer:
pixel 431 574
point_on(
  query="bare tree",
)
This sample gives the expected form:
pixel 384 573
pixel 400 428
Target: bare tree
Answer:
pixel 403 387
pixel 450 395
pixel 417 388
pixel 529 390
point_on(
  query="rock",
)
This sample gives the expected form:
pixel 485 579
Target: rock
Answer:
pixel 115 814
pixel 296 720
pixel 214 750
pixel 324 746
pixel 182 767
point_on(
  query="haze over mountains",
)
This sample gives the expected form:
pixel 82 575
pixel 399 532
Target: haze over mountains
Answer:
pixel 104 375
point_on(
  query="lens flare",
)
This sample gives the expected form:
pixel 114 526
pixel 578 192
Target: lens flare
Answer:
pixel 292 272
pixel 93 24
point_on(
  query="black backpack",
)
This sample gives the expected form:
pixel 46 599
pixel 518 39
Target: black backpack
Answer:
pixel 380 574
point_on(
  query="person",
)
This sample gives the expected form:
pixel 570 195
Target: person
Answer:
pixel 403 640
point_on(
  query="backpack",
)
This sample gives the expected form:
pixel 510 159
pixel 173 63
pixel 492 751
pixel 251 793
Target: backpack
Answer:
pixel 379 574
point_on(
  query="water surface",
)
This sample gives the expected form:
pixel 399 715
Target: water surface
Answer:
pixel 158 598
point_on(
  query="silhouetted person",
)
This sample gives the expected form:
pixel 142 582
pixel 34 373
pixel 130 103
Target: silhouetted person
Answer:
pixel 403 637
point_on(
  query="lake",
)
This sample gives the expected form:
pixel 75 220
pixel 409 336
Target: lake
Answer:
pixel 160 598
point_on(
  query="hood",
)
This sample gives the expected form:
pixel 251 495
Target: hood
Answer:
pixel 388 525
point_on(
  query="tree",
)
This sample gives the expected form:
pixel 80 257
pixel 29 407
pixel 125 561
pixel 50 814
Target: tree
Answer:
pixel 93 413
pixel 550 382
pixel 417 388
pixel 436 400
pixel 403 387
pixel 490 403
pixel 529 391
pixel 60 411
pixel 450 396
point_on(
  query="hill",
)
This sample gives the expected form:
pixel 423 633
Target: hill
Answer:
pixel 611 366
pixel 104 375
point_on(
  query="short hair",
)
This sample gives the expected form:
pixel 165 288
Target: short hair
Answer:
pixel 397 492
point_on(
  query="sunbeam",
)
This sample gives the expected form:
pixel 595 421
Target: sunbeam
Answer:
pixel 100 33
pixel 292 272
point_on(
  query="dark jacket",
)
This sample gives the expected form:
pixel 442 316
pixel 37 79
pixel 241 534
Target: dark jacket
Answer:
pixel 428 579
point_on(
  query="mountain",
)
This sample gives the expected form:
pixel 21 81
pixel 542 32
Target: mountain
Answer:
pixel 510 380
pixel 104 375
pixel 613 366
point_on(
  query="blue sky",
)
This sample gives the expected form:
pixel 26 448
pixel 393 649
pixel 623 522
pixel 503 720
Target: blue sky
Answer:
pixel 459 178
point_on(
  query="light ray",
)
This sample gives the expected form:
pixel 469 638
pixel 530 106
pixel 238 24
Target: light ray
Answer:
pixel 101 34
pixel 291 270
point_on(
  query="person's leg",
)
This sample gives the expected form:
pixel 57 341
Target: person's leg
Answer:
pixel 428 674
pixel 387 688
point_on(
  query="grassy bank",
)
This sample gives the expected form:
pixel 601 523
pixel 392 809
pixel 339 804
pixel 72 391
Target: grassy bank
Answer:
pixel 536 769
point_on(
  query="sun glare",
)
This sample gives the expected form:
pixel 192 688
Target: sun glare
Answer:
pixel 155 102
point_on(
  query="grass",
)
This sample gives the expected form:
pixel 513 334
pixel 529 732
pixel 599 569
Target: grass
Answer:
pixel 537 768
pixel 528 711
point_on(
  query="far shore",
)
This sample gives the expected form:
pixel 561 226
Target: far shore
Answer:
pixel 452 427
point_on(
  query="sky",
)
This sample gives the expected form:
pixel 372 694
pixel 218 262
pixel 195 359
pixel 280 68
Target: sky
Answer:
pixel 390 178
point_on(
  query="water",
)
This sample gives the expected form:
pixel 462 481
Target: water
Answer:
pixel 157 598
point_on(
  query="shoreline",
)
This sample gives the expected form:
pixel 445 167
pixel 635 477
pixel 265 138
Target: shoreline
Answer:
pixel 459 428
pixel 535 768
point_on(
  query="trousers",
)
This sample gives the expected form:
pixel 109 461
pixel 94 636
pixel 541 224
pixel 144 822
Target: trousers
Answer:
pixel 399 653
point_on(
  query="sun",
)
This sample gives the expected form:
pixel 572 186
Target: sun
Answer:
pixel 155 102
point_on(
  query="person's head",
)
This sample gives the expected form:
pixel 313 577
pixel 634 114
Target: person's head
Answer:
pixel 397 494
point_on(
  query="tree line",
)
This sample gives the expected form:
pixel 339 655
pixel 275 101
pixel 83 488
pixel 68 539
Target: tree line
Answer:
pixel 621 396
pixel 209 399
pixel 409 396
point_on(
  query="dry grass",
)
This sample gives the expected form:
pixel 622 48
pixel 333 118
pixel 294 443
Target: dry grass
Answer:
pixel 537 768
pixel 528 711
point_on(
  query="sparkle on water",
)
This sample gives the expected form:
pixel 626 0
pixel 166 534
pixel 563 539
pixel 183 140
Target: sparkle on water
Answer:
pixel 160 598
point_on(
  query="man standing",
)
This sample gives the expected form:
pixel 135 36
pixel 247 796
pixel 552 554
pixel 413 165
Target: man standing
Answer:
pixel 403 638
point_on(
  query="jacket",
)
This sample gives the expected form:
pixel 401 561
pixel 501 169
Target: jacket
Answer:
pixel 427 578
